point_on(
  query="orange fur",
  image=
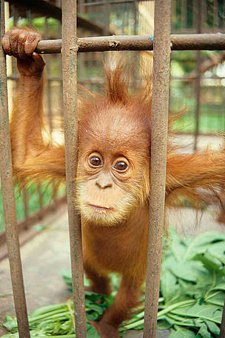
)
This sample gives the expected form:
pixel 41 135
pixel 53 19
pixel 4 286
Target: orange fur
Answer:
pixel 113 204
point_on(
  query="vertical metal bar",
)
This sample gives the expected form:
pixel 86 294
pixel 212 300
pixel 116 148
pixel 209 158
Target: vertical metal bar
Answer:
pixel 173 15
pixel 40 199
pixel 184 15
pixel 69 62
pixel 198 78
pixel 60 82
pixel 195 14
pixel 49 96
pixel 25 195
pixel 49 103
pixel 29 17
pixel 222 327
pixel 39 191
pixel 159 123
pixel 215 16
pixel 81 6
pixel 197 98
pixel 136 17
pixel 8 197
pixel 26 205
pixel 106 8
pixel 15 14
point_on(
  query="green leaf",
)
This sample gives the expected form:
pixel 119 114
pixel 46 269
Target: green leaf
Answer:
pixel 216 298
pixel 217 250
pixel 187 270
pixel 10 323
pixel 92 332
pixel 178 248
pixel 209 261
pixel 213 328
pixel 204 311
pixel 169 286
pixel 203 332
pixel 182 333
pixel 202 242
pixel 219 286
pixel 163 324
pixel 192 292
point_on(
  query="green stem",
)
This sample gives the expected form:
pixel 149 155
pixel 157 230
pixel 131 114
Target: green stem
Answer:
pixel 58 316
pixel 174 306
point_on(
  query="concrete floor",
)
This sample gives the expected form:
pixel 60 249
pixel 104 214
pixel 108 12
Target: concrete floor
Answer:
pixel 46 255
pixel 43 257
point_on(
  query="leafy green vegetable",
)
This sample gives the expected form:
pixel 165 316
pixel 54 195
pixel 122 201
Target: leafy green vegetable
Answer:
pixel 182 333
pixel 191 299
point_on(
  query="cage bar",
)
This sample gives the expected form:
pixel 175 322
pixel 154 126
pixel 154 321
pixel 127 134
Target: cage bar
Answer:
pixel 69 63
pixel 49 105
pixel 222 327
pixel 159 130
pixel 26 205
pixel 8 197
pixel 198 79
pixel 214 41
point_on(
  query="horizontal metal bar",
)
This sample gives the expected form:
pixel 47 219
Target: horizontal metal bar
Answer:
pixel 112 2
pixel 50 78
pixel 188 79
pixel 137 42
pixel 34 218
pixel 24 227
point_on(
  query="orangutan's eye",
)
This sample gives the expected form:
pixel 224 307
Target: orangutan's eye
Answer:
pixel 121 165
pixel 95 161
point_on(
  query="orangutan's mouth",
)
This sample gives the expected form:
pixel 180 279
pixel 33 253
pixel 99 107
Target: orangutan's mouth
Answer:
pixel 100 208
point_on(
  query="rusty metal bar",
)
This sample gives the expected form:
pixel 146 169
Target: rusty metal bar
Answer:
pixel 49 104
pixel 137 42
pixel 50 78
pixel 40 198
pixel 49 92
pixel 39 191
pixel 159 123
pixel 25 225
pixel 136 16
pixel 25 191
pixel 222 327
pixel 34 218
pixel 26 204
pixel 198 79
pixel 61 84
pixel 215 14
pixel 69 63
pixel 113 2
pixel 8 197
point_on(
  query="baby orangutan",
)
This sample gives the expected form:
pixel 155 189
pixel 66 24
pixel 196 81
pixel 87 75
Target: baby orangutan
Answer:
pixel 112 175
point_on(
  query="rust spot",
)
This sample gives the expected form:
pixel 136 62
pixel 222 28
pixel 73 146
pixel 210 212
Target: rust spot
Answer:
pixel 114 44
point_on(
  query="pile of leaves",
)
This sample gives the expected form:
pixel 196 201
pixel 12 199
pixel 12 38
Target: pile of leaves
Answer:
pixel 193 286
pixel 191 299
pixel 58 320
